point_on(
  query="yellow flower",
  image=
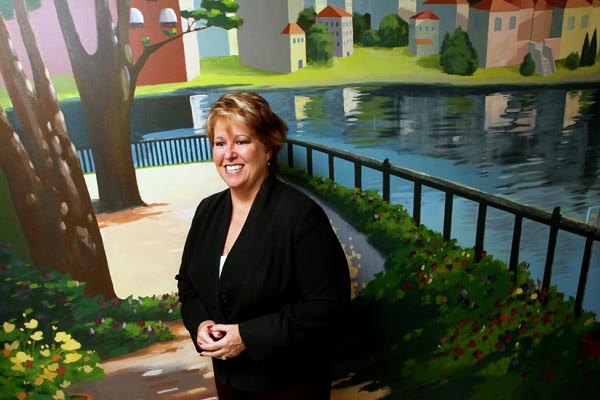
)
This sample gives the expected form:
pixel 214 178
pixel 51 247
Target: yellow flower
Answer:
pixel 17 367
pixel 60 395
pixel 13 346
pixel 21 357
pixel 49 374
pixel 37 336
pixel 519 291
pixel 45 353
pixel 72 357
pixel 87 369
pixel 62 337
pixel 533 296
pixel 31 324
pixel 53 367
pixel 8 327
pixel 65 384
pixel 72 344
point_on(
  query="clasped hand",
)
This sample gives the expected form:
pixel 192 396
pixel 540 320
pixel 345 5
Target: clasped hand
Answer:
pixel 219 340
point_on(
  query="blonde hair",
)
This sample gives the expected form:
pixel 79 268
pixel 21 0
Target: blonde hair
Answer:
pixel 252 112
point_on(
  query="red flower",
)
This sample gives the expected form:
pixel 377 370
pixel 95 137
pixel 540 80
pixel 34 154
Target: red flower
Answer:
pixel 472 343
pixel 478 354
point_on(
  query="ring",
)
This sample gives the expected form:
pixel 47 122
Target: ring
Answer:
pixel 223 358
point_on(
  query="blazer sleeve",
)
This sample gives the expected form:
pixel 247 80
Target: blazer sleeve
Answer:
pixel 193 309
pixel 321 270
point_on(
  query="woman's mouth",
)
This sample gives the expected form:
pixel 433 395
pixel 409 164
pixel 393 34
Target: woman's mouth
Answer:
pixel 232 169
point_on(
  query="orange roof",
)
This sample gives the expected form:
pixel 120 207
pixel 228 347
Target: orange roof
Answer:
pixel 542 5
pixel 569 3
pixel 495 6
pixel 333 11
pixel 446 2
pixel 424 41
pixel 428 14
pixel 292 29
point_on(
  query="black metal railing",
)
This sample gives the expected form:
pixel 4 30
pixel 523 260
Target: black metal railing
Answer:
pixel 157 152
pixel 554 220
pixel 197 148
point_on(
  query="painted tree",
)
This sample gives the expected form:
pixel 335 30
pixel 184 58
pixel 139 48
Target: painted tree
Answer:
pixel 43 172
pixel 107 79
pixel 458 56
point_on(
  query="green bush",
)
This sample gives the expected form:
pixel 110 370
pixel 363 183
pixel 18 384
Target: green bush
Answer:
pixel 527 67
pixel 319 44
pixel 393 31
pixel 370 38
pixel 572 61
pixel 436 324
pixel 457 54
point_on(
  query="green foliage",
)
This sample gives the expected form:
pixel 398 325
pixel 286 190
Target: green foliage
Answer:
pixel 527 67
pixel 7 7
pixel 589 51
pixel 370 38
pixel 586 55
pixel 35 365
pixel 393 31
pixel 306 18
pixel 572 61
pixel 169 33
pixel 319 44
pixel 440 325
pixel 215 13
pixel 146 41
pixel 458 57
pixel 360 24
pixel 54 299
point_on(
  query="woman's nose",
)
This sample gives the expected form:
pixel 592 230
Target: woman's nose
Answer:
pixel 230 152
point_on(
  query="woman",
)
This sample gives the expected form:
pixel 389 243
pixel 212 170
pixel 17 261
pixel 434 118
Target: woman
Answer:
pixel 263 278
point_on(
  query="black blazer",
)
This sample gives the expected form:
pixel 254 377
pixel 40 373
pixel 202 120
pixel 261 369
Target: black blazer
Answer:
pixel 285 282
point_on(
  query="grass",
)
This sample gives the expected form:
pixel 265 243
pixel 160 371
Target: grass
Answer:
pixel 366 65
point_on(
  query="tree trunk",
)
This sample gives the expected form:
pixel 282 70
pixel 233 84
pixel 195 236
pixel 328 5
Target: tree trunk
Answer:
pixel 104 83
pixel 44 175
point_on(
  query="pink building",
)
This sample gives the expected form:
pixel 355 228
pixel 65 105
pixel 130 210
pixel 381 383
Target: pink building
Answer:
pixel 339 24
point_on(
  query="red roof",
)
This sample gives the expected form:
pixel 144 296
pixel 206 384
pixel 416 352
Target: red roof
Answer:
pixel 495 6
pixel 292 29
pixel 446 2
pixel 424 41
pixel 428 14
pixel 333 11
pixel 523 4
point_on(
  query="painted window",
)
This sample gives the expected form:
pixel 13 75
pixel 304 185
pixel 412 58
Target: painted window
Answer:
pixel 498 24
pixel 571 23
pixel 168 17
pixel 136 18
pixel 584 21
pixel 512 24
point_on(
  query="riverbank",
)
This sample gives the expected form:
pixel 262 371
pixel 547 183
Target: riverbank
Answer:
pixel 367 66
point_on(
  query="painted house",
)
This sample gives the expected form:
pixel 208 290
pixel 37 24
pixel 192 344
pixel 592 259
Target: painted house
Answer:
pixel 339 24
pixel 424 34
pixel 452 14
pixel 317 5
pixel 571 20
pixel 296 39
pixel 493 33
pixel 261 43
pixel 177 61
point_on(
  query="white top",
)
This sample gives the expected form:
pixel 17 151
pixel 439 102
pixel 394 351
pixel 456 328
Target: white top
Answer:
pixel 223 258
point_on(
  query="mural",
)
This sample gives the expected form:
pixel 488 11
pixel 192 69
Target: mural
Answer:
pixel 499 95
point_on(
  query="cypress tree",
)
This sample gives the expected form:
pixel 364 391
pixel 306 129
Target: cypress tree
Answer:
pixel 585 52
pixel 594 48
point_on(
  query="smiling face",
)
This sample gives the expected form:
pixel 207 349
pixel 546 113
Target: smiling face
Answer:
pixel 240 157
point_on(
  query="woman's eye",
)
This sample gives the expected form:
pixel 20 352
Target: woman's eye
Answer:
pixel 242 142
pixel 219 144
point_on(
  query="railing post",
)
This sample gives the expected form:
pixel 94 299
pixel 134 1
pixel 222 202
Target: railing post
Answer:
pixel 309 161
pixel 554 223
pixel 585 267
pixel 515 247
pixel 386 180
pixel 417 194
pixel 480 235
pixel 448 216
pixel 331 167
pixel 357 175
pixel 290 151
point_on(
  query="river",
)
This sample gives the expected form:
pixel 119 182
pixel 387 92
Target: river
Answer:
pixel 539 146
